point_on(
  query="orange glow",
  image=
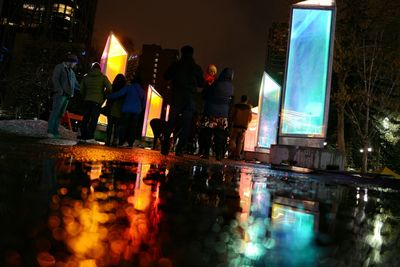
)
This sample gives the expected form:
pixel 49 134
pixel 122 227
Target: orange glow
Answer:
pixel 95 171
pixel 91 227
pixel 46 259
pixel 153 110
pixel 142 195
pixel 245 189
pixel 250 139
pixel 113 61
pixel 88 263
pixel 167 113
pixel 114 58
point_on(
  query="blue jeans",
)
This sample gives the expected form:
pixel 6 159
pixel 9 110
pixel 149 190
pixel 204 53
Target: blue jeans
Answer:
pixel 127 128
pixel 60 103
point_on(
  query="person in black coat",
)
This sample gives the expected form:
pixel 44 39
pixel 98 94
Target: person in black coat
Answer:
pixel 214 122
pixel 186 76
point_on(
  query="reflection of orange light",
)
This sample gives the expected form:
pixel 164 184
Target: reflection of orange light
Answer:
pixel 46 259
pixel 91 227
pixel 167 113
pixel 142 195
pixel 153 110
pixel 87 263
pixel 245 190
pixel 95 171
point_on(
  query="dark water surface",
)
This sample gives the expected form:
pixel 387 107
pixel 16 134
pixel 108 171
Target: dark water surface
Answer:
pixel 68 212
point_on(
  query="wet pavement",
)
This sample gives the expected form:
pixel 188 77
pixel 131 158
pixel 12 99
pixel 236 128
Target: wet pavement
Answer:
pixel 98 206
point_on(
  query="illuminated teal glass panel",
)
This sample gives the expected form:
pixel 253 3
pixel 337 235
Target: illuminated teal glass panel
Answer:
pixel 307 73
pixel 270 95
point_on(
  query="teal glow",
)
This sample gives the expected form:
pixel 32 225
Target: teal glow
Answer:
pixel 307 72
pixel 296 226
pixel 270 97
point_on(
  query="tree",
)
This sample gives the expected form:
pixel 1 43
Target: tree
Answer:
pixel 366 67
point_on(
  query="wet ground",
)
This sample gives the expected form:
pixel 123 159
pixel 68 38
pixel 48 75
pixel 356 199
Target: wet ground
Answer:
pixel 97 206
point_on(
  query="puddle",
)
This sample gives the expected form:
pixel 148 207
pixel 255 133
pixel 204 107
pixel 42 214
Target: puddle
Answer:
pixel 69 213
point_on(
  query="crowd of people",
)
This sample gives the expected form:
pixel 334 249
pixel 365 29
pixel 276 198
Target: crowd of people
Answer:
pixel 201 104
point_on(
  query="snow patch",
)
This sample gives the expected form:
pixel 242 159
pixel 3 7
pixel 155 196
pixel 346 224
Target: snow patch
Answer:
pixel 33 128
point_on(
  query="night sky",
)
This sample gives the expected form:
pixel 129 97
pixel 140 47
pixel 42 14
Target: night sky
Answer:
pixel 228 33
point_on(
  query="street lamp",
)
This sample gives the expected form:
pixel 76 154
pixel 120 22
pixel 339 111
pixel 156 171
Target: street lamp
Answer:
pixel 368 150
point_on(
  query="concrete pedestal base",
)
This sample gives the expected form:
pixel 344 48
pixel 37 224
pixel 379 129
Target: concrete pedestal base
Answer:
pixel 307 157
pixel 256 156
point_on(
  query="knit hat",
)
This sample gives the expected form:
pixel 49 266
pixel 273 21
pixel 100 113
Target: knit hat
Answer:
pixel 72 58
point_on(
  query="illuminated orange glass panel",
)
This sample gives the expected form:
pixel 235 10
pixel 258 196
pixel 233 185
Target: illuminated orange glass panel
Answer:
pixel 250 139
pixel 113 62
pixel 153 110
pixel 114 58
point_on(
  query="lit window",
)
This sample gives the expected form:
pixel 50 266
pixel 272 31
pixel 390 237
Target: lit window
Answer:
pixel 154 81
pixel 29 6
pixel 154 75
pixel 155 70
pixel 67 18
pixel 68 10
pixel 60 8
pixel 155 65
pixel 156 60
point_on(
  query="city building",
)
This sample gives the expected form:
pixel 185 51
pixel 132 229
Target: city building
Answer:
pixel 56 20
pixel 35 35
pixel 153 62
pixel 276 51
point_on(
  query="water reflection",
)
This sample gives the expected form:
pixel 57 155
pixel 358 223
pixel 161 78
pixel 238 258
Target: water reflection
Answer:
pixel 137 214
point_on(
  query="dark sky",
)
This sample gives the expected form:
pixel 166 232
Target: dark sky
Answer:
pixel 228 33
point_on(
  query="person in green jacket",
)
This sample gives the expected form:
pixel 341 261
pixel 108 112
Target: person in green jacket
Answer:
pixel 94 88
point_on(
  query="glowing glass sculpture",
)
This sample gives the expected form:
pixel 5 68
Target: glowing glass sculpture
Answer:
pixel 269 104
pixel 250 137
pixel 113 61
pixel 153 110
pixel 114 58
pixel 308 70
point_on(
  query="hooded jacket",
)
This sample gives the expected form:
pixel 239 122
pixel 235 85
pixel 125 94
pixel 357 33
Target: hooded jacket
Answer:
pixel 218 97
pixel 134 101
pixel 64 80
pixel 94 86
pixel 185 75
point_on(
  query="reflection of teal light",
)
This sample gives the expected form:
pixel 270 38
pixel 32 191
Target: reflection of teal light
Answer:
pixel 297 226
pixel 270 94
pixel 254 251
pixel 307 72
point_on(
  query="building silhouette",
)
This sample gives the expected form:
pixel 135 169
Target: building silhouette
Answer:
pixel 276 51
pixel 56 20
pixel 53 23
pixel 35 35
pixel 153 62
